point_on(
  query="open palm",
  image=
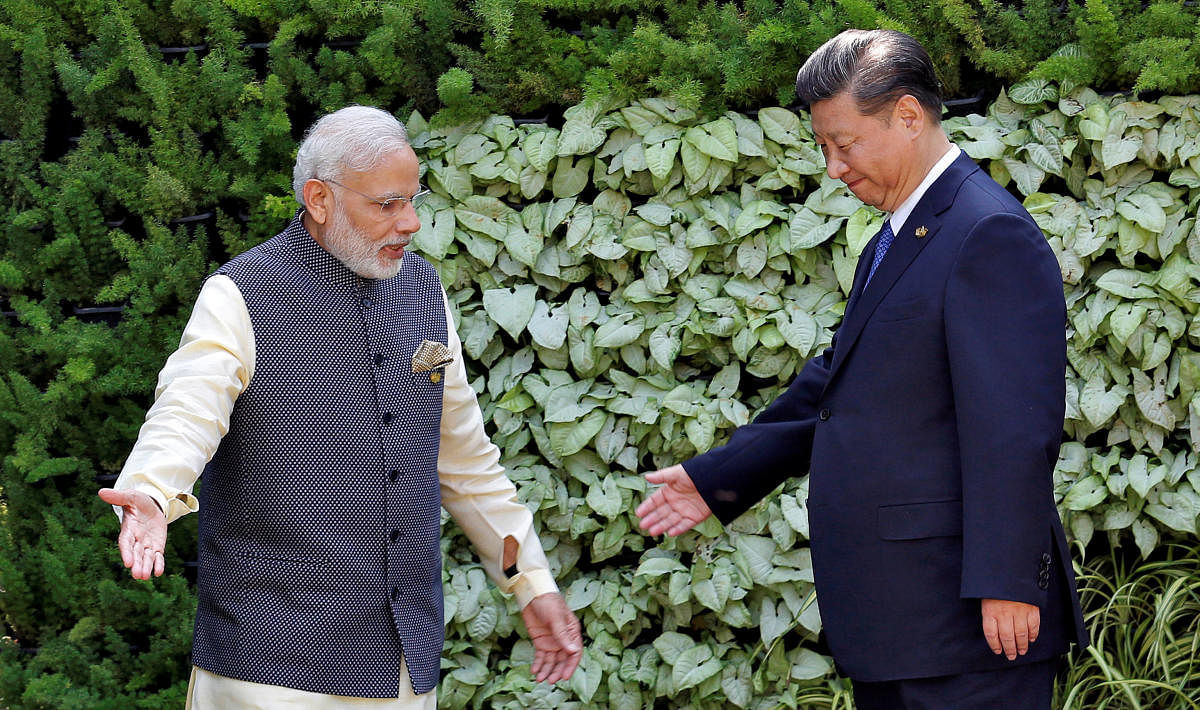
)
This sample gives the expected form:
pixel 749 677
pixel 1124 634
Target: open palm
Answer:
pixel 675 507
pixel 143 534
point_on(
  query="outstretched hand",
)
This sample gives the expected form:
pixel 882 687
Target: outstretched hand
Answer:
pixel 143 534
pixel 557 641
pixel 675 507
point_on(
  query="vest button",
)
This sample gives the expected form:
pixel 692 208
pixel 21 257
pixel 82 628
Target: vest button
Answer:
pixel 395 593
pixel 824 415
pixel 393 474
pixel 395 535
pixel 379 358
pixel 387 417
pixel 367 303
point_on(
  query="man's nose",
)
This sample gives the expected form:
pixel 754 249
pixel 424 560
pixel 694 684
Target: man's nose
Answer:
pixel 835 168
pixel 407 222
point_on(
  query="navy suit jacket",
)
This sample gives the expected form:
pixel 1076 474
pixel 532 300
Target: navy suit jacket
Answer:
pixel 930 428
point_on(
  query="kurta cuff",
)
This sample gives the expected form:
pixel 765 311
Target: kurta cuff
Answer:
pixel 534 583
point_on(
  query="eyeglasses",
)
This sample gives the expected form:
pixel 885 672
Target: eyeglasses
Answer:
pixel 391 207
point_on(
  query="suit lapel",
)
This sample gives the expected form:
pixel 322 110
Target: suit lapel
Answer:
pixel 907 245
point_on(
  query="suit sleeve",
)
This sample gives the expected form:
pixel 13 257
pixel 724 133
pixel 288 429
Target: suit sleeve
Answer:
pixel 1005 332
pixel 762 454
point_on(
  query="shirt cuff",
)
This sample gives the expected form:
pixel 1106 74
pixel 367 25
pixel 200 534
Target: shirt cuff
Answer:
pixel 534 583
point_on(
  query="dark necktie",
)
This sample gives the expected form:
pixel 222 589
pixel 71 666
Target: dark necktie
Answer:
pixel 881 247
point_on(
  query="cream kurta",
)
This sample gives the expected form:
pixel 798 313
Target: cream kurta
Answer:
pixel 193 401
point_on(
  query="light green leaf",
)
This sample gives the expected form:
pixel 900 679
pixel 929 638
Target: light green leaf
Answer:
pixel 471 148
pixel 809 665
pixel 434 240
pixel 579 138
pixel 1177 509
pixel 781 125
pixel 570 438
pixel 773 621
pixel 620 330
pixel 1028 177
pixel 1085 494
pixel 486 215
pixel 511 309
pixel 660 157
pixel 605 499
pixel 570 177
pixel 665 343
pixel 1126 283
pixel 655 213
pixel 1143 209
pixel 540 147
pixel 671 644
pixel 694 666
pixel 1033 91
pixel 1099 404
pixel 755 552
pixel 808 229
pixel 1115 150
pixel 695 161
pixel 522 245
pixel 1151 397
pixel 736 684
pixel 1145 536
pixel 548 327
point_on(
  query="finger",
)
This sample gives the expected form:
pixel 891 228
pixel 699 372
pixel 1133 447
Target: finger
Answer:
pixel 160 563
pixel 1035 624
pixel 114 496
pixel 656 477
pixel 1007 636
pixel 565 629
pixel 650 505
pixel 991 633
pixel 682 526
pixel 571 664
pixel 125 543
pixel 1021 634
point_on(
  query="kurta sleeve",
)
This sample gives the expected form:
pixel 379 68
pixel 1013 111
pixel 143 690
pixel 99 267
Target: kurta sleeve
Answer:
pixel 193 400
pixel 477 493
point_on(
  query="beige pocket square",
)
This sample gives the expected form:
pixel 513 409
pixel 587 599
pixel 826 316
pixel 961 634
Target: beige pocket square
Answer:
pixel 430 355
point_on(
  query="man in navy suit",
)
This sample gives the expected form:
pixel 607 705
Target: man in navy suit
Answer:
pixel 930 426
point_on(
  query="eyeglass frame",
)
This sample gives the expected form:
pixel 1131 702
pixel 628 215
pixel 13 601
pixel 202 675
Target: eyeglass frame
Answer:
pixel 417 198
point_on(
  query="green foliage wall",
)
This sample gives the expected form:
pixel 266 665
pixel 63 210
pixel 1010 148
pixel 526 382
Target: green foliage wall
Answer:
pixel 631 282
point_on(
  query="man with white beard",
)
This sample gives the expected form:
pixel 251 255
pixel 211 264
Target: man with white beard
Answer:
pixel 319 386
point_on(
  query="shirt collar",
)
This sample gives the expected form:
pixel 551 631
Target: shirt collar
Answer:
pixel 902 212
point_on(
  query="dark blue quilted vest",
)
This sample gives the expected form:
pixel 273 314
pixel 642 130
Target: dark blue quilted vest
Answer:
pixel 320 512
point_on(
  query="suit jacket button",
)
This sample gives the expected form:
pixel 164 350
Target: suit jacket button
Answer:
pixel 824 415
pixel 1043 582
pixel 1046 558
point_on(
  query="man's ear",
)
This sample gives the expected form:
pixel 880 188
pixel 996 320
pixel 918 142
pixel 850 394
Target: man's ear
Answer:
pixel 318 200
pixel 910 113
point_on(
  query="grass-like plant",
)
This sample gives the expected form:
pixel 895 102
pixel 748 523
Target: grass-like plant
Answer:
pixel 1145 622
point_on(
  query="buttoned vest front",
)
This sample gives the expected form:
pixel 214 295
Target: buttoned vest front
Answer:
pixel 319 552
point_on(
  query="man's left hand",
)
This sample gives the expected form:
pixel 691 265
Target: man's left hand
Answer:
pixel 557 641
pixel 1010 627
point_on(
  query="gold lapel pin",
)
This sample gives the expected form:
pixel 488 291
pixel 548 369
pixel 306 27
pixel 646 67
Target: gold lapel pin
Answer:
pixel 435 377
pixel 921 231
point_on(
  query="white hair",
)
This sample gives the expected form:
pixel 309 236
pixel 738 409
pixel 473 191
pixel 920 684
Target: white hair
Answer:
pixel 354 138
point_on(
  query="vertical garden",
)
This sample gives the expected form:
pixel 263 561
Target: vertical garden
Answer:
pixel 641 248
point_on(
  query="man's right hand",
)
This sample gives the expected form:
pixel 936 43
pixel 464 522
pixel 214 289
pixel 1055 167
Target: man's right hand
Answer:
pixel 143 531
pixel 675 507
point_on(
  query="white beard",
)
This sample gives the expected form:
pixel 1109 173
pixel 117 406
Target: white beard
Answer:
pixel 357 253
